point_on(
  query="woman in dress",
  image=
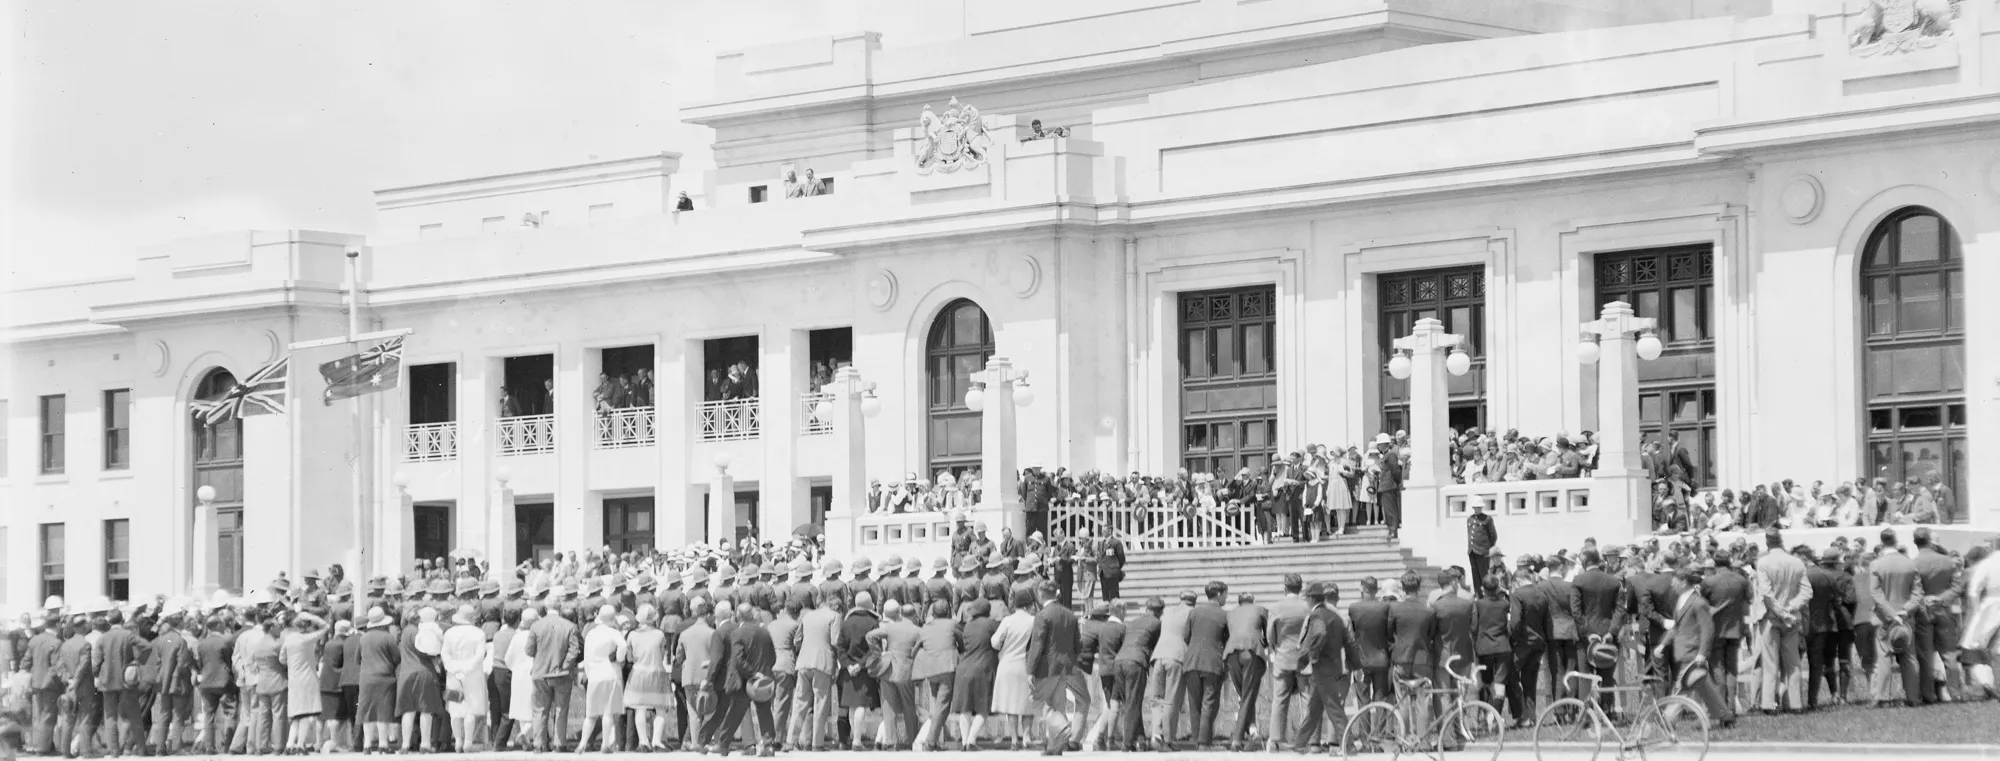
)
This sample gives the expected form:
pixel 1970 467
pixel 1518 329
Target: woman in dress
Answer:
pixel 1013 695
pixel 464 657
pixel 859 693
pixel 418 697
pixel 521 704
pixel 300 647
pixel 380 659
pixel 335 708
pixel 972 681
pixel 604 698
pixel 647 689
pixel 1339 498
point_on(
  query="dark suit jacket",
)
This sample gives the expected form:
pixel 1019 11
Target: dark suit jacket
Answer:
pixel 117 648
pixel 215 654
pixel 42 660
pixel 1694 630
pixel 1562 609
pixel 751 652
pixel 1938 577
pixel 76 660
pixel 1141 634
pixel 1329 647
pixel 1831 607
pixel 1208 631
pixel 1413 636
pixel 1529 612
pixel 1595 597
pixel 174 663
pixel 1655 593
pixel 1456 633
pixel 1053 643
pixel 1370 619
pixel 1728 596
pixel 1897 589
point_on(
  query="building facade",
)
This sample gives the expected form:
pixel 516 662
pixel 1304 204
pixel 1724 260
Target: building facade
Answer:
pixel 1251 201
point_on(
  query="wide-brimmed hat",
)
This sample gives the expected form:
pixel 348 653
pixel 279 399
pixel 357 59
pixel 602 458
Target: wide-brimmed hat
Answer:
pixel 967 565
pixel 1030 563
pixel 465 586
pixel 913 565
pixel 724 572
pixel 465 616
pixel 641 582
pixel 939 564
pixel 376 619
pixel 439 587
pixel 512 588
pixel 489 587
pixel 343 590
pixel 586 587
pixel 669 577
pixel 696 576
pixel 311 574
pixel 571 587
pixel 746 574
pixel 996 560
pixel 891 564
pixel 830 567
pixel 769 570
pixel 861 565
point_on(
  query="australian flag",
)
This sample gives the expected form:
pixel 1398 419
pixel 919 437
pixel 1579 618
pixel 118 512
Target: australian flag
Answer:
pixel 263 393
pixel 370 371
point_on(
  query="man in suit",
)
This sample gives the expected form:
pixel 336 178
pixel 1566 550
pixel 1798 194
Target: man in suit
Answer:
pixel 1693 635
pixel 45 685
pixel 1208 631
pixel 1413 637
pixel 897 639
pixel 752 655
pixel 172 673
pixel 1389 485
pixel 1598 598
pixel 1780 591
pixel 1243 657
pixel 1653 594
pixel 1481 536
pixel 1052 652
pixel 1728 596
pixel 1563 630
pixel 509 407
pixel 1529 614
pixel 1110 565
pixel 1101 639
pixel 1369 619
pixel 1284 632
pixel 1330 653
pixel 556 647
pixel 215 685
pixel 117 653
pixel 1456 630
pixel 813 709
pixel 1164 683
pixel 77 661
pixel 1142 634
pixel 1937 631
pixel 1828 616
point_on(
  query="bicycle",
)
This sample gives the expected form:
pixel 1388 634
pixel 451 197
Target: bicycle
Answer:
pixel 1676 722
pixel 1380 724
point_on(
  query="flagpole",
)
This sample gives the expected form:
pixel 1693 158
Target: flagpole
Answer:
pixel 361 568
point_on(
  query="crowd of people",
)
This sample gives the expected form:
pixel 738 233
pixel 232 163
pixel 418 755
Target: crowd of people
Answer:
pixel 761 645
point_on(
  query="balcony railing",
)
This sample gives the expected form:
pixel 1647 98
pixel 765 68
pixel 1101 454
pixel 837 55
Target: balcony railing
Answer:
pixel 527 434
pixel 430 442
pixel 625 428
pixel 730 420
pixel 1152 525
pixel 815 414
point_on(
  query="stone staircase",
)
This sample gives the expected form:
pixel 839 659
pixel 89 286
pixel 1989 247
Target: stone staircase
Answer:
pixel 1260 569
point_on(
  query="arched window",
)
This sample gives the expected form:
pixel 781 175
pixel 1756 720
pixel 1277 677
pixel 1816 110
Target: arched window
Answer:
pixel 959 344
pixel 1913 349
pixel 218 462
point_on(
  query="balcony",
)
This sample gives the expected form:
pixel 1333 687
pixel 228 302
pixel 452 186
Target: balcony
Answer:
pixel 815 414
pixel 730 420
pixel 526 434
pixel 627 428
pixel 433 442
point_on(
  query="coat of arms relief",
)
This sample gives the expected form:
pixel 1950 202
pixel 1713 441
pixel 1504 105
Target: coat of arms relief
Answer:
pixel 951 141
pixel 1887 27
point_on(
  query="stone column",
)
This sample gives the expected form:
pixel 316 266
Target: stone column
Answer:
pixel 501 539
pixel 1430 405
pixel 721 505
pixel 399 538
pixel 1617 389
pixel 999 497
pixel 850 461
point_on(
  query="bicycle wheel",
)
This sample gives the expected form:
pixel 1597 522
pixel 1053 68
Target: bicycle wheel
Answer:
pixel 1376 728
pixel 1568 725
pixel 1676 724
pixel 1473 729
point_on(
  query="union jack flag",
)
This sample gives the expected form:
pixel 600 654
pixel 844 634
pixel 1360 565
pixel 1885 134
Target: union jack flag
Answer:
pixel 263 393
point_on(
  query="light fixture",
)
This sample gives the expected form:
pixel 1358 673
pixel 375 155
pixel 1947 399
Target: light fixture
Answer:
pixel 1587 351
pixel 1649 346
pixel 1399 366
pixel 1459 362
pixel 822 409
pixel 206 493
pixel 870 406
pixel 975 398
pixel 1023 395
pixel 401 480
pixel 722 460
pixel 503 475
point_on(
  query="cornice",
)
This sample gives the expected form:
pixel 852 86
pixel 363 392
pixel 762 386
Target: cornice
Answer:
pixel 290 295
pixel 1795 131
pixel 661 164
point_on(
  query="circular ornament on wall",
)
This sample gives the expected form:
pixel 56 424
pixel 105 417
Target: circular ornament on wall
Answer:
pixel 882 290
pixel 1024 275
pixel 1802 199
pixel 277 346
pixel 157 355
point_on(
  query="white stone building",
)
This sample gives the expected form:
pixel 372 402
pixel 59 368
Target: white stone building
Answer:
pixel 1252 200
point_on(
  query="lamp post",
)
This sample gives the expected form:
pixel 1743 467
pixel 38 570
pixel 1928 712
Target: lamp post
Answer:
pixel 854 402
pixel 1617 356
pixel 998 480
pixel 500 532
pixel 721 500
pixel 1430 397
pixel 401 543
pixel 202 583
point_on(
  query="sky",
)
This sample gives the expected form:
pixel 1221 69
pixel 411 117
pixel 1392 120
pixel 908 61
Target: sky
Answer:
pixel 134 122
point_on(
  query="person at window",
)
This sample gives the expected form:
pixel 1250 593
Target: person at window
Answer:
pixel 685 203
pixel 642 389
pixel 735 385
pixel 712 387
pixel 621 393
pixel 508 406
pixel 812 186
pixel 793 188
pixel 545 403
pixel 1568 464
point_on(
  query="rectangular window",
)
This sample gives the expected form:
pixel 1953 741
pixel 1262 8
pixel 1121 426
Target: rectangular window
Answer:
pixel 600 212
pixel 826 186
pixel 432 231
pixel 55 410
pixel 118 430
pixel 118 559
pixel 492 225
pixel 1922 303
pixel 759 193
pixel 52 559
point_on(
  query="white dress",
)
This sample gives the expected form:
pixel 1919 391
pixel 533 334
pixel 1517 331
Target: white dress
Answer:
pixel 1012 691
pixel 521 703
pixel 464 657
pixel 603 651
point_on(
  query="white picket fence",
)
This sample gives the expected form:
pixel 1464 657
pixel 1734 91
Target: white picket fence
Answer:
pixel 1154 526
